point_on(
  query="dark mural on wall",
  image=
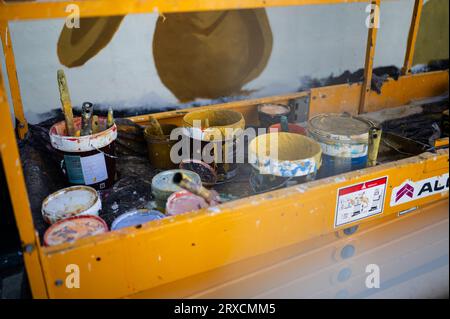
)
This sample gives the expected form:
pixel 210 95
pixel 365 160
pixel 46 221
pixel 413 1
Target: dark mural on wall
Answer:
pixel 197 55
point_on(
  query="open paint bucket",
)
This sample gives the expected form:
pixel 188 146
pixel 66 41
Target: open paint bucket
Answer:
pixel 159 147
pixel 163 185
pixel 184 202
pixel 280 157
pixel 136 217
pixel 88 160
pixel 73 228
pixel 215 140
pixel 344 140
pixel 285 154
pixel 69 202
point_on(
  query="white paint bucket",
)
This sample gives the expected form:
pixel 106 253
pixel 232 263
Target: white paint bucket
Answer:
pixel 69 202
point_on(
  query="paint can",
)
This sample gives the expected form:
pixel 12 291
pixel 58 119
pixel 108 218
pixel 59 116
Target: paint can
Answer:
pixel 71 201
pixel 344 140
pixel 159 147
pixel 293 128
pixel 270 114
pixel 184 202
pixel 279 158
pixel 136 217
pixel 88 160
pixel 163 185
pixel 215 141
pixel 70 229
pixel 207 174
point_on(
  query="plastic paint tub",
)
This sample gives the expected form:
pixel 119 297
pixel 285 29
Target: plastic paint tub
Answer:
pixel 73 228
pixel 184 202
pixel 163 185
pixel 159 147
pixel 222 128
pixel 293 128
pixel 285 155
pixel 88 160
pixel 136 217
pixel 71 201
pixel 270 114
pixel 344 140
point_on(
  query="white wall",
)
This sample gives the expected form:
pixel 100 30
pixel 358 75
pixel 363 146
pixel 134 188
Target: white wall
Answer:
pixel 313 41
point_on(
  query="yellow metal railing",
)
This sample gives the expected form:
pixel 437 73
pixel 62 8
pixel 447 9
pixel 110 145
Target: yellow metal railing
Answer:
pixel 35 260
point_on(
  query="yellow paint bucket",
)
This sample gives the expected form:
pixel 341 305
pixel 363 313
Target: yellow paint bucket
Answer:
pixel 213 138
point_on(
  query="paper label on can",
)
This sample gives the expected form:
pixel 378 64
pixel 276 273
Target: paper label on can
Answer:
pixel 344 150
pixel 86 170
pixel 94 168
pixel 360 201
pixel 74 171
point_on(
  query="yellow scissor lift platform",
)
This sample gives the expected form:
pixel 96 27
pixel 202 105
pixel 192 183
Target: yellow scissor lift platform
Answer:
pixel 268 245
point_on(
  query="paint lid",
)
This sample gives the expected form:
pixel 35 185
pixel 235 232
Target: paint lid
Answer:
pixel 183 202
pixel 136 217
pixel 70 229
pixel 207 174
pixel 272 109
pixel 71 201
pixel 163 185
pixel 342 127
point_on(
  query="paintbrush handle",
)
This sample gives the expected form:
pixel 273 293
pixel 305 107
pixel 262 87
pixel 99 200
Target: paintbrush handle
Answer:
pixel 65 102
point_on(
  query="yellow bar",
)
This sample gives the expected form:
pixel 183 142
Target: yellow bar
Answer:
pixel 9 155
pixel 370 55
pixel 22 126
pixel 412 36
pixel 91 8
pixel 120 263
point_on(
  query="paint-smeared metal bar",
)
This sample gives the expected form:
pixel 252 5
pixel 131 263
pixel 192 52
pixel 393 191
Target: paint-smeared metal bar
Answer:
pixel 9 155
pixel 412 37
pixel 22 125
pixel 92 8
pixel 370 54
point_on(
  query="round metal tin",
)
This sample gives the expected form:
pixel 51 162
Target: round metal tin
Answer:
pixel 135 217
pixel 71 201
pixel 73 228
pixel 163 186
pixel 183 202
pixel 207 174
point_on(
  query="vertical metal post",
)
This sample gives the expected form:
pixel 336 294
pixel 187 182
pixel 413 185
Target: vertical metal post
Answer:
pixel 370 54
pixel 9 156
pixel 412 37
pixel 22 126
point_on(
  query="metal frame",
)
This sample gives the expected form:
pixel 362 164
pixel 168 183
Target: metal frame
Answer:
pixel 126 265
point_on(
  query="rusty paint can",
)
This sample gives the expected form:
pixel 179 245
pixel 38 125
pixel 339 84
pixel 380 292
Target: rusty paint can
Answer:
pixel 215 140
pixel 344 140
pixel 87 160
pixel 69 202
pixel 159 147
pixel 70 229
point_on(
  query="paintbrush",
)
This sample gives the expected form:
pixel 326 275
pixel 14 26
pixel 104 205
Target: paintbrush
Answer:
pixel 154 127
pixel 211 197
pixel 374 145
pixel 65 102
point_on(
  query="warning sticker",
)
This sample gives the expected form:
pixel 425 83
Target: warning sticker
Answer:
pixel 360 201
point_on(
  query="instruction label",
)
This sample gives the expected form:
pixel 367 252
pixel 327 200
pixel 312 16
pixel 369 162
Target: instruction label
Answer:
pixel 360 201
pixel 86 170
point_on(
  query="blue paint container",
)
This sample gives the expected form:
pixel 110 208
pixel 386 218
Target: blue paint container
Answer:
pixel 344 140
pixel 135 217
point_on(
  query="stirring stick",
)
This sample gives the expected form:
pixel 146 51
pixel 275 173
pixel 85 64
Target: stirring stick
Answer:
pixel 65 102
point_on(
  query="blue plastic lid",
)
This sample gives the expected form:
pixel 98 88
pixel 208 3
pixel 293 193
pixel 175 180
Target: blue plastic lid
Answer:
pixel 136 217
